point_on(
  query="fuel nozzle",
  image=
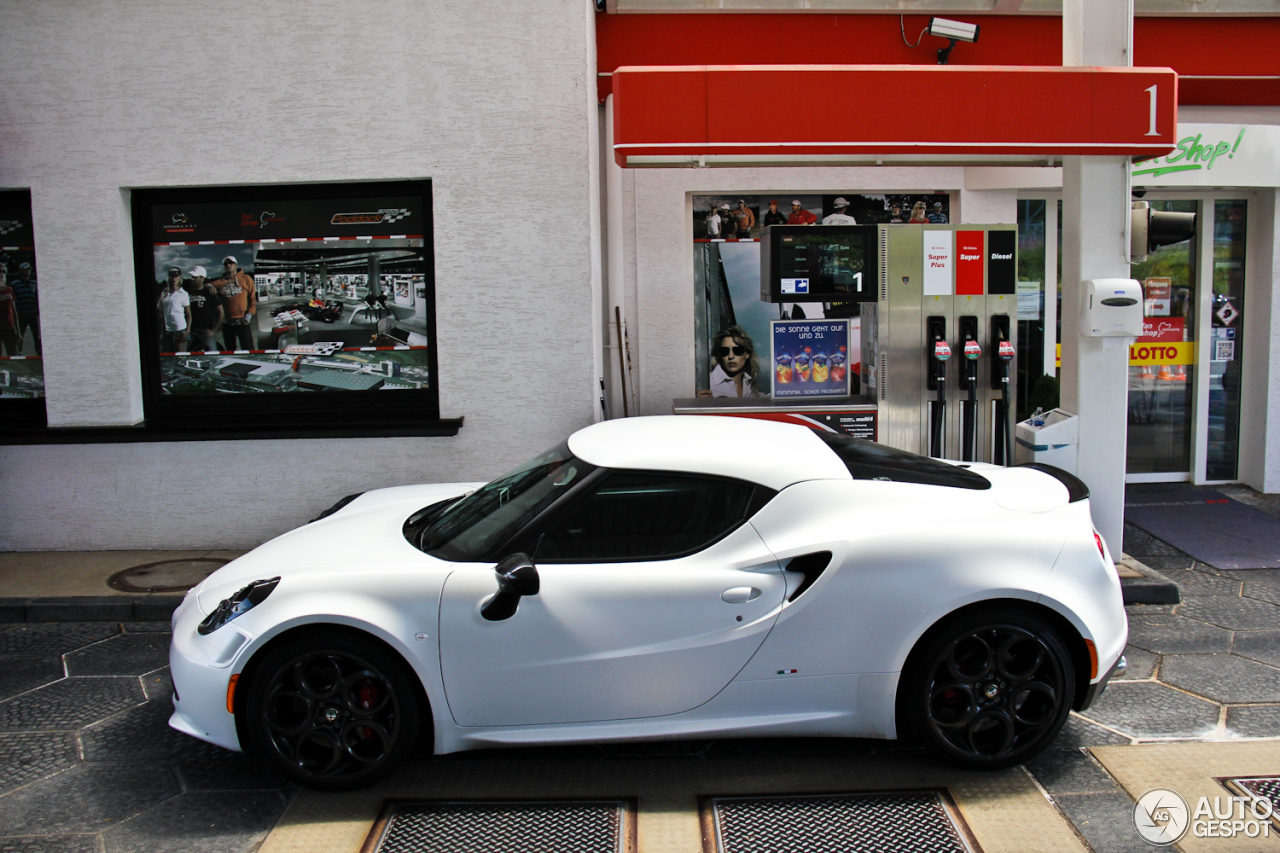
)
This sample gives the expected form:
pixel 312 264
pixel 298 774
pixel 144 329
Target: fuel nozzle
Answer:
pixel 941 350
pixel 972 351
pixel 1006 351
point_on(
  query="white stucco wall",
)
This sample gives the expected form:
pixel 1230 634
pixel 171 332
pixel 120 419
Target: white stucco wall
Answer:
pixel 494 102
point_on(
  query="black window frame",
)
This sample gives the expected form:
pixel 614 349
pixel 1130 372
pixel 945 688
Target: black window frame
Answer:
pixel 286 415
pixel 527 541
pixel 20 415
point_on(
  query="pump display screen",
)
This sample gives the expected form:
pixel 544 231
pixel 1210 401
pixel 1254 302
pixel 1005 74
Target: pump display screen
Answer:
pixel 819 263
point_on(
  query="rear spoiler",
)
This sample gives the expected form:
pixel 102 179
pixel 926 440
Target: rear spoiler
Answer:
pixel 1076 489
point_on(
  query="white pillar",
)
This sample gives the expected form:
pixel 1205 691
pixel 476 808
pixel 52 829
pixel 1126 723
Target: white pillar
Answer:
pixel 1095 208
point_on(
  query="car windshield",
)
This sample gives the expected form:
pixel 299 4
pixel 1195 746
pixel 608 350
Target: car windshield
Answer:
pixel 470 529
pixel 867 460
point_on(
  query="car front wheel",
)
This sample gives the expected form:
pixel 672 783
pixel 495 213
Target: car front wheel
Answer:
pixel 989 689
pixel 332 714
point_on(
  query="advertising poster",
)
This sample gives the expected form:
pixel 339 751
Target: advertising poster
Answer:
pixel 726 229
pixel 810 359
pixel 21 350
pixel 289 296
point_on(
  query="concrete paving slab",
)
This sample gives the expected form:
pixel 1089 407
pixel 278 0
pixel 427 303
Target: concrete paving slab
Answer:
pixel 1142 664
pixel 1261 646
pixel 1222 678
pixel 1105 820
pixel 1171 634
pixel 1236 614
pixel 1253 721
pixel 1149 710
pixel 1192 770
pixel 1005 810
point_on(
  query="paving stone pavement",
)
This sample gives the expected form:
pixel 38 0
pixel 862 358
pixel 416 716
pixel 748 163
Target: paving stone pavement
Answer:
pixel 88 762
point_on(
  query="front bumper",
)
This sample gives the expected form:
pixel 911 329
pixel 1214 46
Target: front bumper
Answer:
pixel 201 668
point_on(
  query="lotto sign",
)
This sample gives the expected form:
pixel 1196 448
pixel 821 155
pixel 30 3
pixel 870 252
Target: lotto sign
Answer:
pixel 1161 353
pixel 1143 353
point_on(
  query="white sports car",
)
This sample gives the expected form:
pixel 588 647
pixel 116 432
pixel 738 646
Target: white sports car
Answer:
pixel 656 578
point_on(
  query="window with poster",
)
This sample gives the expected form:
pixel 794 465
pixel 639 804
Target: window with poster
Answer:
pixel 21 349
pixel 288 309
pixel 733 323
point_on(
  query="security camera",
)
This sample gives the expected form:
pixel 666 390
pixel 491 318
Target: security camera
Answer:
pixel 954 30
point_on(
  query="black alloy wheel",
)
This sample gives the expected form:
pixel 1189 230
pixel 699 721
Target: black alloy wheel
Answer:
pixel 990 690
pixel 332 714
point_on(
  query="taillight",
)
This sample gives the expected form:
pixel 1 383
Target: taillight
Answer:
pixel 1101 549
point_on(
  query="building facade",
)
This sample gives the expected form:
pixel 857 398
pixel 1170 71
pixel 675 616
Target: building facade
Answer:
pixel 556 287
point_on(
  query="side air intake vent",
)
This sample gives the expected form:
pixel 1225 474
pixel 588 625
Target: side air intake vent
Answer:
pixel 811 566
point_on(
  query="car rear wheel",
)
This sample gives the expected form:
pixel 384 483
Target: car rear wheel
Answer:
pixel 332 714
pixel 989 689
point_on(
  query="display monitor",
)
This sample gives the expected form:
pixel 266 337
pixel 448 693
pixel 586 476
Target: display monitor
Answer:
pixel 819 263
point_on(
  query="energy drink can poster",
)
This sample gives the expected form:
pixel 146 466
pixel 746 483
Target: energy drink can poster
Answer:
pixel 810 358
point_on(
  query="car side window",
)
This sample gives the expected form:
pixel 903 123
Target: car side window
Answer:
pixel 645 516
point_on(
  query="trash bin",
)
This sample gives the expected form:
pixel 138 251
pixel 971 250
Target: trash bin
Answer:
pixel 1050 438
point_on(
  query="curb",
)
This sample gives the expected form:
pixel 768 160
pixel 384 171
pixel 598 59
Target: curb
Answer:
pixel 90 608
pixel 1151 588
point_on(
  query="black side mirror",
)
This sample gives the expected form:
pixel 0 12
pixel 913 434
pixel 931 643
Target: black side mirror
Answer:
pixel 517 577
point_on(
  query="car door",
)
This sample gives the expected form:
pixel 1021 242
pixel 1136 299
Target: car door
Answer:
pixel 653 595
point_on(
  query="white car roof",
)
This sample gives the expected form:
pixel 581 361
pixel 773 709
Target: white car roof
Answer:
pixel 765 452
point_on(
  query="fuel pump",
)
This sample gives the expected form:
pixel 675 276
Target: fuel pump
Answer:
pixel 943 283
pixel 969 382
pixel 1002 425
pixel 936 335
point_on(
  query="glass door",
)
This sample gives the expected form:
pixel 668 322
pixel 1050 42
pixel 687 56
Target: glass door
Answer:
pixel 1162 361
pixel 1184 372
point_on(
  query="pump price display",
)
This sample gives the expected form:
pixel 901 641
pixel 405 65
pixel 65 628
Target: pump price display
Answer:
pixel 820 263
pixel 811 359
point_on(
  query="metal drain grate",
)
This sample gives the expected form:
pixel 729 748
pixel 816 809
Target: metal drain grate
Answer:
pixel 880 822
pixel 585 826
pixel 1259 788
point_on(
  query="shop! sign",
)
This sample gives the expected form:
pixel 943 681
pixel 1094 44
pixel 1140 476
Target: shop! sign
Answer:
pixel 810 359
pixel 1216 155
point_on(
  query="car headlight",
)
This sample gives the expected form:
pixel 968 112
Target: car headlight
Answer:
pixel 243 601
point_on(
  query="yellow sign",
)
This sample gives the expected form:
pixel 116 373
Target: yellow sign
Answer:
pixel 1155 352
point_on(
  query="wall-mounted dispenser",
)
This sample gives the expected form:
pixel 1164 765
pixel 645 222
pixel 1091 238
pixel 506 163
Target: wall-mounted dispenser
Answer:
pixel 1111 307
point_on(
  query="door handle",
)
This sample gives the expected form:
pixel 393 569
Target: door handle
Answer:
pixel 740 594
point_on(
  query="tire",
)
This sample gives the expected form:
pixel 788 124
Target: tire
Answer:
pixel 333 713
pixel 989 689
